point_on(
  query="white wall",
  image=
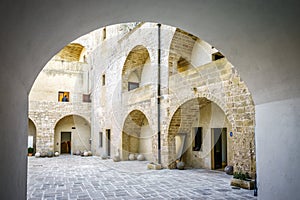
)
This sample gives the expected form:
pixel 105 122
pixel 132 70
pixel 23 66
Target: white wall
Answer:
pixel 211 116
pixel 278 149
pixel 57 77
pixel 147 76
pixel 145 145
pixel 204 50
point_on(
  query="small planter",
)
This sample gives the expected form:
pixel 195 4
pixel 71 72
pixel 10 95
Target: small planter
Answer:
pixel 30 151
pixel 154 166
pixel 246 184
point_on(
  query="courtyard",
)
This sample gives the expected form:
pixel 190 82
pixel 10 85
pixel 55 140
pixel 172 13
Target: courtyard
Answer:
pixel 89 178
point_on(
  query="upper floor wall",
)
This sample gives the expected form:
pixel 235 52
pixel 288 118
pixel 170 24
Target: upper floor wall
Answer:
pixel 70 78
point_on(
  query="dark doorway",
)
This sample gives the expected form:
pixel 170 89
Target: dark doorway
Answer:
pixel 220 147
pixel 65 143
pixel 108 141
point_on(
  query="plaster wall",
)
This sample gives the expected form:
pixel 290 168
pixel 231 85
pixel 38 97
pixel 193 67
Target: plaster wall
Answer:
pixel 203 49
pixel 60 76
pixel 211 116
pixel 146 142
pixel 277 173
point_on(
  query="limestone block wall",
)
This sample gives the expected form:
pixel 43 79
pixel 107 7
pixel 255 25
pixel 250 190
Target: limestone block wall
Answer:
pixel 111 103
pixel 46 115
pixel 187 72
pixel 221 84
pixel 60 76
pixel 46 111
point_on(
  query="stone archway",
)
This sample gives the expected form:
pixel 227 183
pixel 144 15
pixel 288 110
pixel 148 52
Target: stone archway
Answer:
pixel 137 136
pixel 132 73
pixel 79 132
pixel 190 134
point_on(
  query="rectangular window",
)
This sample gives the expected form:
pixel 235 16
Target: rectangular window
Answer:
pixel 100 139
pixel 198 139
pixel 86 98
pixel 103 79
pixel 63 96
pixel 104 33
pixel 132 85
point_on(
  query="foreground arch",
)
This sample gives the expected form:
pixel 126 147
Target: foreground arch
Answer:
pixel 246 32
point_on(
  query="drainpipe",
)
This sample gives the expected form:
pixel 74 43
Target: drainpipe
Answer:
pixel 158 97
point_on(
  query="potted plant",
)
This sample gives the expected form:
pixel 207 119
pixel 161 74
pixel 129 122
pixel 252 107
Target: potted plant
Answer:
pixel 30 151
pixel 242 180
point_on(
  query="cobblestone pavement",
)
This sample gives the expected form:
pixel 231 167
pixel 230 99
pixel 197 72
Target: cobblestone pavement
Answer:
pixel 87 178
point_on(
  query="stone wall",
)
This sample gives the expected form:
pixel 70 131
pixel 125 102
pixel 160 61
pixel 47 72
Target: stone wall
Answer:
pixel 221 84
pixel 46 115
pixel 187 72
pixel 46 111
pixel 112 102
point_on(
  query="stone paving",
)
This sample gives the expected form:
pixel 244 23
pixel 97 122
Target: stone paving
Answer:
pixel 91 178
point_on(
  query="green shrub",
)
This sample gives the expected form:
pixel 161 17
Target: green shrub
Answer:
pixel 241 176
pixel 30 150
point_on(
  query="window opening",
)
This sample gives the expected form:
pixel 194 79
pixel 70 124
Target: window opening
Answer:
pixel 86 98
pixel 217 56
pixel 132 85
pixel 103 79
pixel 100 139
pixel 63 96
pixel 198 139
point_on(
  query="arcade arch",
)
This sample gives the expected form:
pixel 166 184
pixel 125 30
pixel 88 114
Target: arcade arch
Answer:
pixel 72 133
pixel 137 136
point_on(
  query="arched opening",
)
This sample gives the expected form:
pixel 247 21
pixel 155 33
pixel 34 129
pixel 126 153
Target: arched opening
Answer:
pixel 241 31
pixel 72 133
pixel 73 52
pixel 31 135
pixel 136 69
pixel 188 51
pixel 199 133
pixel 137 136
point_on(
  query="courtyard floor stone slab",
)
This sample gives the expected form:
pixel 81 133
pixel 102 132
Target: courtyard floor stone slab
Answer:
pixel 91 178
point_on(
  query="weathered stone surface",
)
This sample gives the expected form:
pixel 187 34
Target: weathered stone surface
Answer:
pixel 229 170
pixel 116 158
pixel 37 155
pixel 180 165
pixel 195 89
pixel 131 156
pixel 91 178
pixel 246 184
pixel 154 166
pixel 140 157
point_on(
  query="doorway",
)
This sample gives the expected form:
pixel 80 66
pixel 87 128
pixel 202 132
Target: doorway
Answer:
pixel 219 151
pixel 108 141
pixel 65 144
